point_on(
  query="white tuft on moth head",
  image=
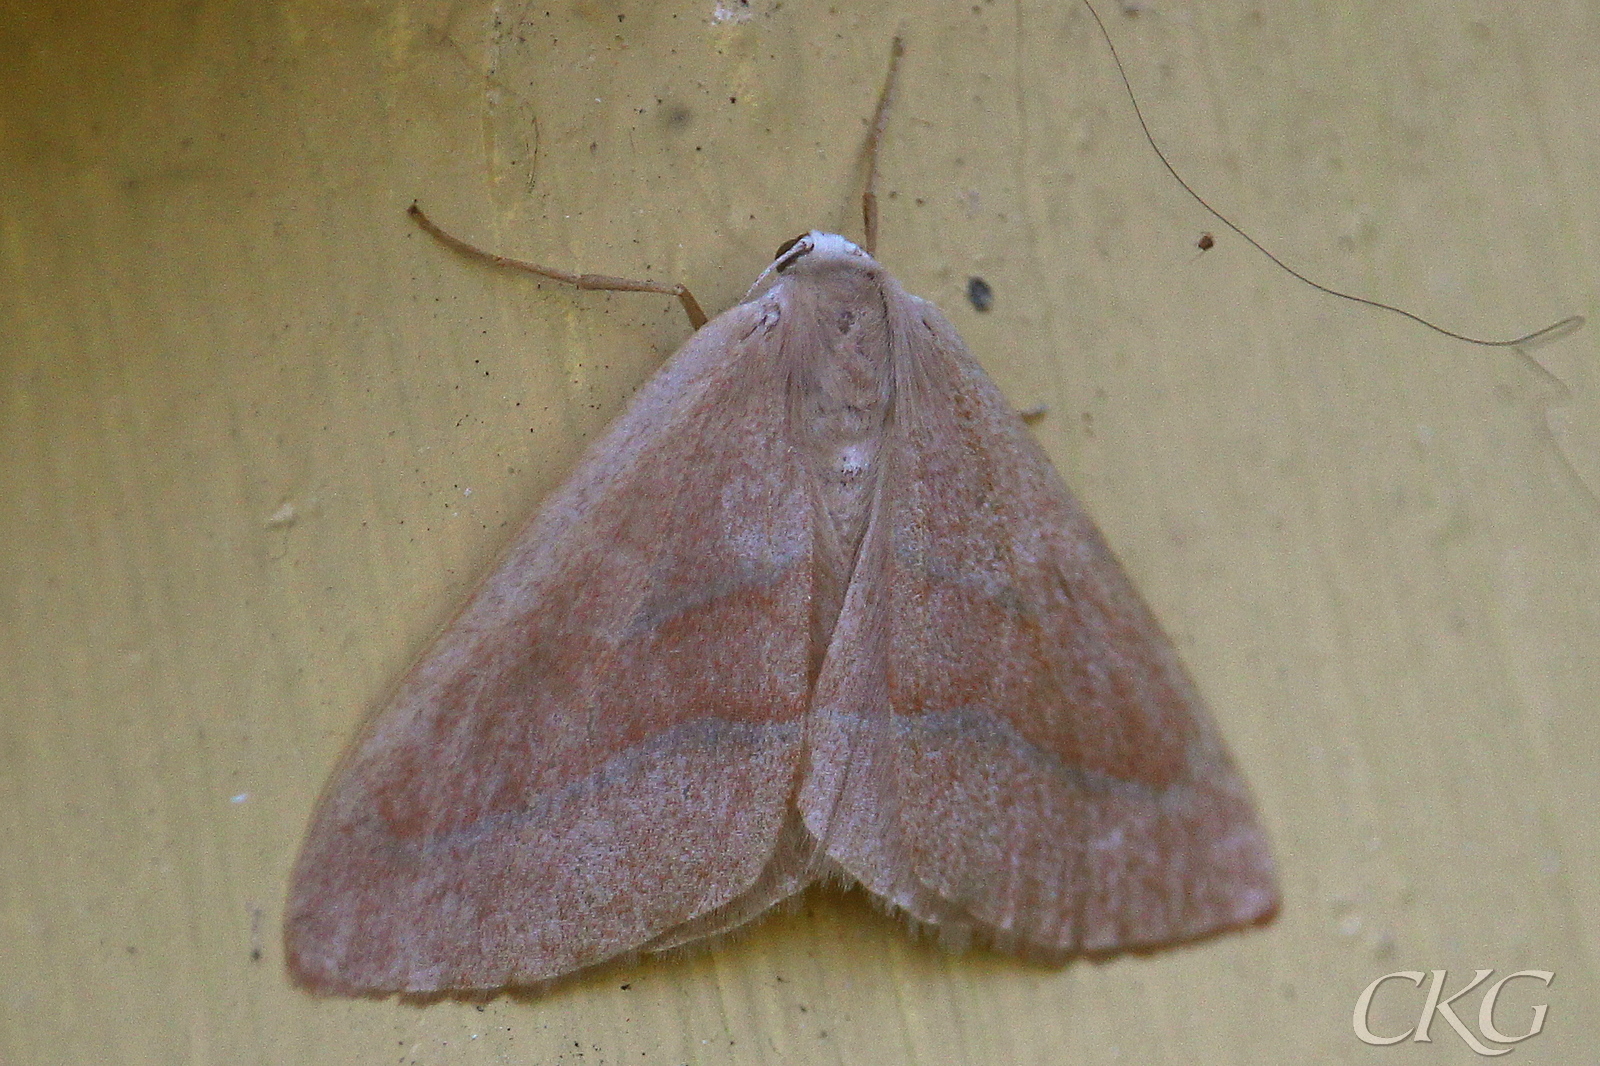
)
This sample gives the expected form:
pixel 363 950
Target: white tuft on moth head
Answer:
pixel 811 252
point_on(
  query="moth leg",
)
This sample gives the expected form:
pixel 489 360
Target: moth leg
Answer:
pixel 596 282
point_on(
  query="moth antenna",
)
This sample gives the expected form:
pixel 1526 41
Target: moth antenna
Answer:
pixel 1570 324
pixel 880 121
pixel 595 282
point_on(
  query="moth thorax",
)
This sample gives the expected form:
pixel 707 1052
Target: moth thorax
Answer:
pixel 844 389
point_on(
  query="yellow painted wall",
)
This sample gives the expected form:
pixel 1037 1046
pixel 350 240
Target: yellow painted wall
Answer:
pixel 259 437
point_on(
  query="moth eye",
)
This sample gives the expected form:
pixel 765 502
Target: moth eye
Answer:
pixel 782 260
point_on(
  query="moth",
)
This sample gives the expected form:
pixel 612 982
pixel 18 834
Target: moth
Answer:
pixel 816 608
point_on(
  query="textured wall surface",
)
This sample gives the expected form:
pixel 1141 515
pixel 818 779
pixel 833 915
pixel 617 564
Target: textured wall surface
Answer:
pixel 259 438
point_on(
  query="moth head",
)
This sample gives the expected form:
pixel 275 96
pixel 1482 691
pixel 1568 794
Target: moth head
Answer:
pixel 816 249
pixel 813 252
